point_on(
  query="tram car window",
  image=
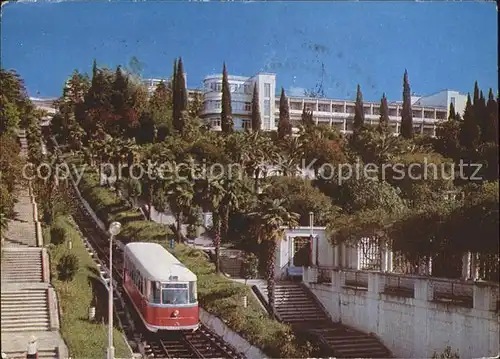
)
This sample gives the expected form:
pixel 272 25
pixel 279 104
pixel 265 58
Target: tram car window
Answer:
pixel 155 293
pixel 193 295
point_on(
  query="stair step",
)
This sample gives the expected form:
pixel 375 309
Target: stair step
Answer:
pixel 24 297
pixel 40 303
pixel 23 320
pixel 14 312
pixel 42 354
pixel 31 328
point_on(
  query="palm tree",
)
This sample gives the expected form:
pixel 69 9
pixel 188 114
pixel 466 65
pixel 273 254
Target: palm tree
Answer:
pixel 259 154
pixel 180 193
pixel 289 159
pixel 232 191
pixel 270 219
pixel 210 194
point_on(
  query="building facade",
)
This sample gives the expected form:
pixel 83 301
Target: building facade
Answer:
pixel 241 89
pixel 427 110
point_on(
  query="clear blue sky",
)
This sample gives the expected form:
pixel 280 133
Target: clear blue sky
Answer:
pixel 442 44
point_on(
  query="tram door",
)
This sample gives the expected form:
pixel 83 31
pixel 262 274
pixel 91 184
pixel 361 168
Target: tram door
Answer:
pixel 302 252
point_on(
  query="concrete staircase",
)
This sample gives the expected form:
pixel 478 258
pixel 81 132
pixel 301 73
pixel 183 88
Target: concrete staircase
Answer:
pixel 296 306
pixel 350 343
pixel 25 311
pixel 28 301
pixel 22 266
pixel 21 135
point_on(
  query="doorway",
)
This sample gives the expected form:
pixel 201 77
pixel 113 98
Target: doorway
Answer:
pixel 302 252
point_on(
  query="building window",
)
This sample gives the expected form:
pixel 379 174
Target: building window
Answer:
pixel 267 108
pixel 323 107
pixel 296 106
pixel 338 108
pixel 246 123
pixel 216 122
pixel 267 90
pixel 267 122
pixel 248 106
pixel 218 104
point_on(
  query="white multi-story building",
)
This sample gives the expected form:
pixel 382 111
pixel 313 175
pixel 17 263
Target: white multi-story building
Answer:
pixel 427 110
pixel 241 99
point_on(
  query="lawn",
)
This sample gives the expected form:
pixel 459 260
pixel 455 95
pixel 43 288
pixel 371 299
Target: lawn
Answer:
pixel 84 339
pixel 217 294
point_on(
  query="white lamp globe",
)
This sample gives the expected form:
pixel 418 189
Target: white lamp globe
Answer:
pixel 115 228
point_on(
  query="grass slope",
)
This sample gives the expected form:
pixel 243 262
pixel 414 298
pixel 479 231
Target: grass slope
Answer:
pixel 84 339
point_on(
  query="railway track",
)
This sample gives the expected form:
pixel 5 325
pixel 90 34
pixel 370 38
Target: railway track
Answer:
pixel 200 344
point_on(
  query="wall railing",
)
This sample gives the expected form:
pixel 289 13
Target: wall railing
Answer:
pixel 464 293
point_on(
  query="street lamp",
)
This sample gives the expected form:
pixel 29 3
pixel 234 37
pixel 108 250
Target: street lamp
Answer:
pixel 114 229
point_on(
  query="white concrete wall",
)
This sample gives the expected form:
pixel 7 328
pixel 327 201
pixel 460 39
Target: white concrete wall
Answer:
pixel 233 338
pixel 414 327
pixel 261 79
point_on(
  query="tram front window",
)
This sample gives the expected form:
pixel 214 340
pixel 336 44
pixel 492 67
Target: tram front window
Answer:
pixel 155 292
pixel 192 292
pixel 174 294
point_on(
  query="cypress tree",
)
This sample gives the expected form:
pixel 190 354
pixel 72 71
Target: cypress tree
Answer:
pixel 307 118
pixel 359 113
pixel 284 125
pixel 181 84
pixel 492 119
pixel 226 115
pixel 452 114
pixel 406 113
pixel 383 122
pixel 175 97
pixel 476 93
pixel 482 117
pixel 120 89
pixel 469 131
pixel 94 71
pixel 256 120
pixel 181 96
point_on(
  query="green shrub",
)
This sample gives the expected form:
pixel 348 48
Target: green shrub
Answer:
pixel 57 235
pixel 250 267
pixel 67 267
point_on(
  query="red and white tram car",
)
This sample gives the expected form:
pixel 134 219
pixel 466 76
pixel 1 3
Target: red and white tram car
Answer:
pixel 161 288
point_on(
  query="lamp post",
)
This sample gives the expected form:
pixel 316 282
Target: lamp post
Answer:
pixel 114 229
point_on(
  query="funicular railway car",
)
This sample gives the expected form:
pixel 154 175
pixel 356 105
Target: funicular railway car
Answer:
pixel 161 288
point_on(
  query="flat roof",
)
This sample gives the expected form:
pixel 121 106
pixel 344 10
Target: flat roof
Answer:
pixel 156 263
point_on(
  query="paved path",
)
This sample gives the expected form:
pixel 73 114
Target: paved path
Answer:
pixel 29 304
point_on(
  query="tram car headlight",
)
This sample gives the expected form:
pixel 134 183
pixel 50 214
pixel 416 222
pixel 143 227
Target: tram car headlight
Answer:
pixel 175 313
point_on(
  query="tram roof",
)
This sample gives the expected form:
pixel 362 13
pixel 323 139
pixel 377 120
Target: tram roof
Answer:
pixel 158 264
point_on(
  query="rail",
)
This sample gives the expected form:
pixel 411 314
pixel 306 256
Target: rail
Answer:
pixel 200 344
